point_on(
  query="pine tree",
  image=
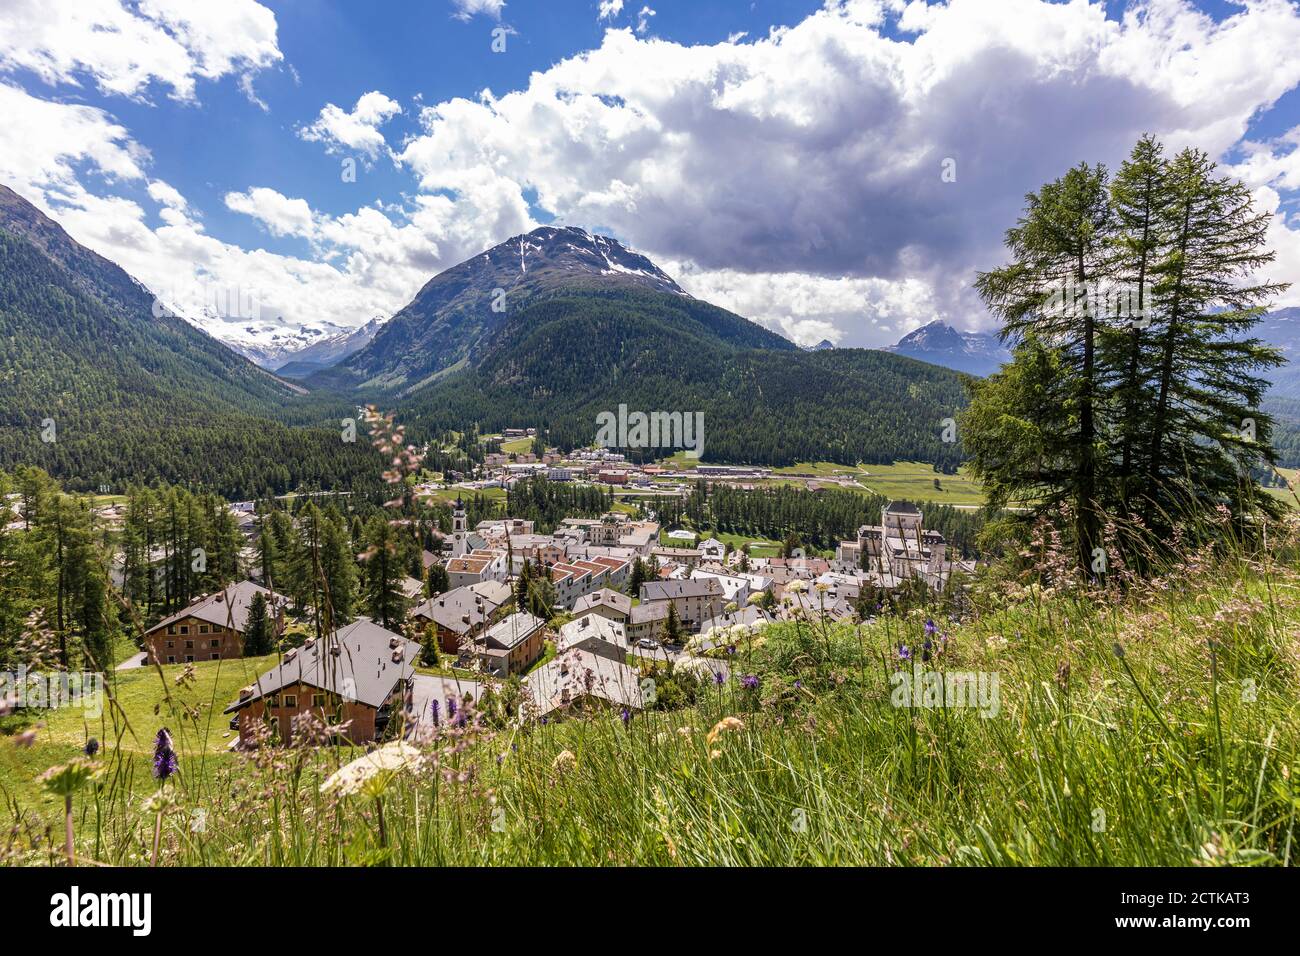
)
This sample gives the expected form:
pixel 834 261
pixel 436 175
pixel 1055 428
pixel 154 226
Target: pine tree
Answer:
pixel 257 630
pixel 1206 429
pixel 384 601
pixel 672 625
pixel 1053 290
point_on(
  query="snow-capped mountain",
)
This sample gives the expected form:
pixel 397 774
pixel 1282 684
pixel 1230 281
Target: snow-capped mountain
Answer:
pixel 977 353
pixel 273 345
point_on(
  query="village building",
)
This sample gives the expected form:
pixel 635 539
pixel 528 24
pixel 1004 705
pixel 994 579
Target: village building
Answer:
pixel 607 603
pixel 580 681
pixel 511 645
pixel 898 546
pixel 210 629
pixel 596 634
pixel 696 601
pixel 647 622
pixel 461 614
pixel 352 679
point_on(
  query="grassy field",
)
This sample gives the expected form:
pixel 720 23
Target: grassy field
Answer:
pixel 758 547
pixel 915 482
pixel 1158 727
pixel 517 446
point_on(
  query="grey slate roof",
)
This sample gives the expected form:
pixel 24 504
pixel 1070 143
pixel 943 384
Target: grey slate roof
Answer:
pixel 619 602
pixel 363 669
pixel 509 631
pixel 227 607
pixel 668 590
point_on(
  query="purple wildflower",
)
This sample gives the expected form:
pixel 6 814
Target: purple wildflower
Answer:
pixel 798 685
pixel 731 648
pixel 433 710
pixel 164 758
pixel 749 681
pixel 904 653
pixel 625 716
pixel 719 678
pixel 91 748
pixel 930 628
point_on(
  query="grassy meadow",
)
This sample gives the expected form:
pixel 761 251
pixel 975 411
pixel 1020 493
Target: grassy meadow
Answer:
pixel 1158 726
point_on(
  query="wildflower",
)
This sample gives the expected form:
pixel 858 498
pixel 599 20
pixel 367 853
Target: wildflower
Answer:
pixel 796 587
pixel 930 627
pixel 723 726
pixel 904 653
pixel 91 748
pixel 749 681
pixel 731 648
pixel 755 598
pixel 719 678
pixel 372 773
pixel 564 760
pixel 433 710
pixel 626 716
pixel 798 684
pixel 164 757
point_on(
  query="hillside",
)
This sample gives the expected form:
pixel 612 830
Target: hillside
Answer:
pixel 456 316
pixel 96 388
pixel 1052 750
pixel 588 325
pixel 561 361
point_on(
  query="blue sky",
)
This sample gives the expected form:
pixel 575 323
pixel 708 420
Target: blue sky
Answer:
pixel 780 158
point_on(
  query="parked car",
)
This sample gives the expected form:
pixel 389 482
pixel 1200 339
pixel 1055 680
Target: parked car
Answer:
pixel 649 643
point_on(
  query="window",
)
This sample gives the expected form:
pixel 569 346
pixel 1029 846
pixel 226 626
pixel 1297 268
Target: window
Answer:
pixel 290 700
pixel 185 628
pixel 189 645
pixel 203 629
pixel 273 700
pixel 318 700
pixel 214 643
pixel 189 658
pixel 171 643
pixel 171 658
pixel 216 657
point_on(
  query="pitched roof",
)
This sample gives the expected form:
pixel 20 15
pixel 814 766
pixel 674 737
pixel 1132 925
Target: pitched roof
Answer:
pixel 671 590
pixel 593 625
pixel 361 662
pixel 604 596
pixel 511 630
pixel 577 674
pixel 477 602
pixel 225 608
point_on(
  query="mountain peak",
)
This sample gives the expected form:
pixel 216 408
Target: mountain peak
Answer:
pixel 937 342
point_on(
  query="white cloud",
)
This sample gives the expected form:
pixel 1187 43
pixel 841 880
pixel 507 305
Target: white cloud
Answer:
pixel 465 9
pixel 123 48
pixel 643 19
pixel 43 143
pixel 609 9
pixel 818 149
pixel 358 130
pixel 794 178
pixel 280 214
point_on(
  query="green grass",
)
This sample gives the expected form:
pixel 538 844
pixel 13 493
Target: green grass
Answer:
pixel 1185 749
pixel 517 446
pixel 903 479
pixel 915 482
